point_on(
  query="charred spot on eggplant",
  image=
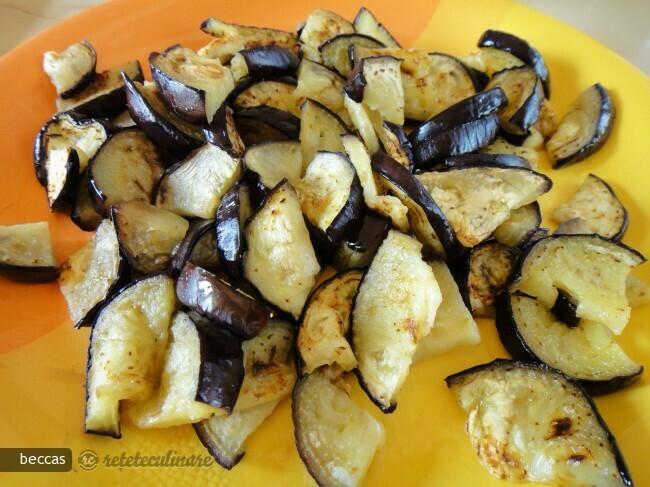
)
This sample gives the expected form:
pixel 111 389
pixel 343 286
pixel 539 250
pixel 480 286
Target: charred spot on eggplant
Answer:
pixel 71 70
pixel 584 128
pixel 26 253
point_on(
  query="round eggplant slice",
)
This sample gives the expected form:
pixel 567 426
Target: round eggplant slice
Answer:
pixel 72 70
pixel 520 49
pixel 193 86
pixel 160 123
pixel 528 422
pixel 584 128
pixel 585 352
pixel 217 300
pixel 26 253
pixel 335 438
pixel 62 172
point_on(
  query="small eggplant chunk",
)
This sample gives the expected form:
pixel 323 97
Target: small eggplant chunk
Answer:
pixel 363 123
pixel 275 161
pixel 254 130
pixel 335 52
pixel 325 324
pixel 92 274
pixel 585 352
pixel 321 25
pixel 217 300
pixel 335 438
pixel 520 226
pixel 174 402
pixel 476 200
pixel 72 70
pixel 558 438
pixel 278 93
pixel 320 130
pixel 426 219
pixel 484 274
pixel 264 62
pixel 147 234
pixel 104 97
pixel 61 168
pixel 223 131
pixel 158 121
pixel 26 253
pixel 573 226
pixel 280 261
pixel 525 98
pixel 565 309
pixel 270 373
pixel 584 129
pixel 590 269
pixel 319 83
pixel 393 310
pixel 366 23
pixel 520 49
pixel 127 351
pixel 454 326
pixel 191 85
pixel 178 191
pixel 502 147
pixel 360 244
pixel 330 194
pixel 596 204
pixel 229 235
pixel 127 167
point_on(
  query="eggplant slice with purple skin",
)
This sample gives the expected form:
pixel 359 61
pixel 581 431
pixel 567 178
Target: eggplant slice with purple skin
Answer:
pixel 558 438
pixel 83 213
pixel 335 52
pixel 598 208
pixel 320 130
pixel 467 160
pixel 367 24
pixel 61 167
pixel 158 121
pixel 360 243
pixel 396 144
pixel 126 167
pixel 321 25
pixel 26 253
pixel 229 235
pixel 93 274
pixel 264 62
pixel 223 131
pixel 520 226
pixel 127 350
pixel 104 97
pixel 520 49
pixel 191 85
pixel 426 219
pixel 393 310
pixel 320 83
pixel 584 128
pixel 71 70
pixel 279 120
pixel 277 93
pixel 217 300
pixel 196 248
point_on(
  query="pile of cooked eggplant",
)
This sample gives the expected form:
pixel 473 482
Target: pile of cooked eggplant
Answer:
pixel 277 211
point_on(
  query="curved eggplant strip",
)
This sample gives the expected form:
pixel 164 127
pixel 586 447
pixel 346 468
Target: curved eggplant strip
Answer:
pixel 229 233
pixel 270 61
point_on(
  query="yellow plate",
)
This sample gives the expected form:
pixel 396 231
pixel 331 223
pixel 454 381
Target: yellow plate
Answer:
pixel 42 359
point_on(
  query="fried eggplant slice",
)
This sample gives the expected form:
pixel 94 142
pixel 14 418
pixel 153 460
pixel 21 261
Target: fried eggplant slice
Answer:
pixel 26 253
pixel 335 52
pixel 127 351
pixel 325 323
pixel 71 70
pixel 502 146
pixel 585 352
pixel 584 129
pixel 127 167
pixel 217 300
pixel 61 168
pixel 591 270
pixel 178 191
pixel 264 62
pixel 198 247
pixel 278 93
pixel 275 161
pixel 454 326
pixel 396 144
pixel 596 204
pixel 363 123
pixel 520 226
pixel 528 422
pixel 336 439
pixel 229 235
pixel 320 130
pixel 366 23
pixel 193 86
pixel 174 402
pixel 394 309
pixel 319 83
pixel 574 226
pixel 360 244
pixel 147 234
pixel 476 200
pixel 92 274
pixel 321 25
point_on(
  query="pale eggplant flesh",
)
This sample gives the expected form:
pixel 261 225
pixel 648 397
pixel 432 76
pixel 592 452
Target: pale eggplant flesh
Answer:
pixel 26 253
pixel 71 70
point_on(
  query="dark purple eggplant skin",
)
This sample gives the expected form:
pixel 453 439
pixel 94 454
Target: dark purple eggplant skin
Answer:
pixel 196 230
pixel 400 135
pixel 520 49
pixel 513 364
pixel 257 190
pixel 155 126
pixel 356 82
pixel 458 140
pixel 603 130
pixel 223 132
pixel 397 174
pixel 280 120
pixel 215 299
pixel 222 367
pixel 87 223
pixel 473 160
pixel 229 235
pixel 371 232
pixel 69 191
pixel 565 309
pixel 31 274
pixel 519 349
pixel 255 131
pixel 350 46
pixel 270 61
pixel 529 112
pixel 349 214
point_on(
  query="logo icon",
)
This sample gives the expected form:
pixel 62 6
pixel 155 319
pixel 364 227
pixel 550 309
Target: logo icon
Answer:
pixel 88 460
